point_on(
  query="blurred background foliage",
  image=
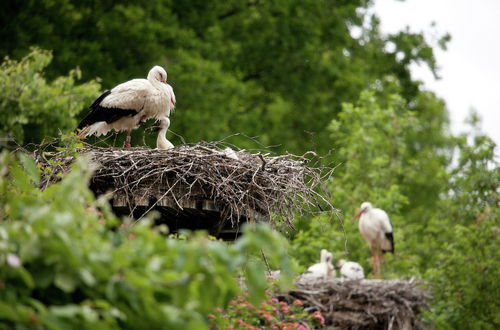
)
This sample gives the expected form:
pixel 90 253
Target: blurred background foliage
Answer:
pixel 273 69
pixel 298 75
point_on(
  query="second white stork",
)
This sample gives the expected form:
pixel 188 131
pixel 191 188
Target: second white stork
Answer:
pixel 376 228
pixel 130 104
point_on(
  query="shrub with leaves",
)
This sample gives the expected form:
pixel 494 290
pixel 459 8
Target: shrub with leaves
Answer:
pixel 64 264
pixel 32 108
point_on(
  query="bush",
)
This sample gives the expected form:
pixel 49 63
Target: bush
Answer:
pixel 67 265
pixel 32 108
pixel 270 314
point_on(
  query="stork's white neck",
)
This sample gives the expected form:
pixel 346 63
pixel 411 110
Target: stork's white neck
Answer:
pixel 161 141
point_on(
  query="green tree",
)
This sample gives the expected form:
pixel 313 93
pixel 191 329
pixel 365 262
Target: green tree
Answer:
pixel 279 70
pixel 32 108
pixel 464 236
pixel 387 152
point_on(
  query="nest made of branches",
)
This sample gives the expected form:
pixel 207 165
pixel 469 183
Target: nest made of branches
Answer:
pixel 365 304
pixel 281 185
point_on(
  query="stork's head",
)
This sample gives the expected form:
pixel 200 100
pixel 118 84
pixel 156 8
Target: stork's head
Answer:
pixel 323 255
pixel 326 256
pixel 158 73
pixel 365 207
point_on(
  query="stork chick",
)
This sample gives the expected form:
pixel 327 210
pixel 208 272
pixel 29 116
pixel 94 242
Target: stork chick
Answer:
pixel 324 269
pixel 350 270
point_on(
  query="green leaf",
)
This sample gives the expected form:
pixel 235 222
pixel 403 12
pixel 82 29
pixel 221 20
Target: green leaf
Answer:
pixel 256 281
pixel 65 282
pixel 31 169
pixel 8 312
pixel 87 277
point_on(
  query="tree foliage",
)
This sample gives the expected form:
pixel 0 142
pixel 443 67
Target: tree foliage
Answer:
pixel 279 70
pixel 466 264
pixel 32 108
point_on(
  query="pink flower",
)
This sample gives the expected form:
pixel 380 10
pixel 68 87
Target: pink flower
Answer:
pixel 317 315
pixel 284 309
pixel 273 301
pixel 298 302
pixel 13 260
pixel 267 316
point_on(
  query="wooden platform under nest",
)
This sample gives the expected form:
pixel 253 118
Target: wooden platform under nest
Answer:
pixel 364 304
pixel 199 186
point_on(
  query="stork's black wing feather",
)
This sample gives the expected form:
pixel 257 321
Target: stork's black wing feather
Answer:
pixel 109 115
pixel 390 237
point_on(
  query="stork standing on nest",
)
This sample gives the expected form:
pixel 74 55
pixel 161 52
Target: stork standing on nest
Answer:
pixel 324 269
pixel 376 228
pixel 130 104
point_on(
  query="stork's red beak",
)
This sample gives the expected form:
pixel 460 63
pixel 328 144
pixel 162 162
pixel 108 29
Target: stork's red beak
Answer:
pixel 357 215
pixel 173 102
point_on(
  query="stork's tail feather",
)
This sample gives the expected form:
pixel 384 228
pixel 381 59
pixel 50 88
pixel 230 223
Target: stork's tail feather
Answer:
pixel 390 239
pixel 97 129
pixel 84 133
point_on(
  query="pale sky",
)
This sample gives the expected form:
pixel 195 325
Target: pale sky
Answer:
pixel 470 68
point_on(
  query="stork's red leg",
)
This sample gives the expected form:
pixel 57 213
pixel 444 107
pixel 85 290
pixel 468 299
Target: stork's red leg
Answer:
pixel 127 139
pixel 377 265
pixel 374 255
pixel 379 257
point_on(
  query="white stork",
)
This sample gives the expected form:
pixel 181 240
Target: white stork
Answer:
pixel 130 104
pixel 376 228
pixel 161 141
pixel 350 270
pixel 324 269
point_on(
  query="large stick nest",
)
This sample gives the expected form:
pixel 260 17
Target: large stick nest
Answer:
pixel 279 185
pixel 365 304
